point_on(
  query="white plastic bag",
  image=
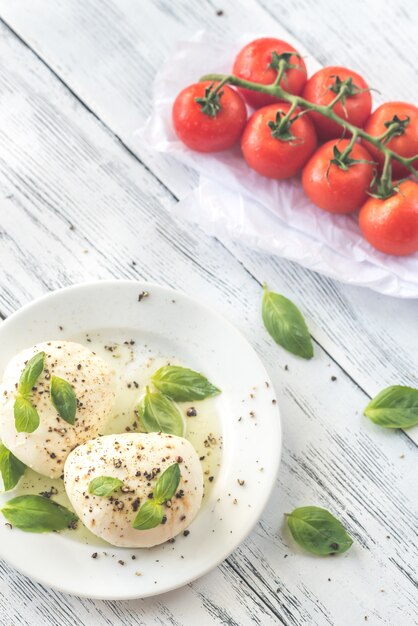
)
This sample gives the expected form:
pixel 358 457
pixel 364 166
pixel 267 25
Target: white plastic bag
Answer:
pixel 232 201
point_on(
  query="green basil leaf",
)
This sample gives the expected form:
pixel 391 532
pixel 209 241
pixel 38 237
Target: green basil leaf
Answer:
pixel 183 384
pixel 104 485
pixel 63 398
pixel 157 413
pixel 11 468
pixel 149 516
pixel 26 416
pixel 33 369
pixel 37 514
pixel 167 484
pixel 394 407
pixel 286 324
pixel 317 531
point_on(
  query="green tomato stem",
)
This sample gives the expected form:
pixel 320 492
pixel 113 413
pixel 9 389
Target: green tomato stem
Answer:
pixel 278 92
pixel 221 84
pixel 349 147
pixel 289 114
pixel 337 98
pixel 280 73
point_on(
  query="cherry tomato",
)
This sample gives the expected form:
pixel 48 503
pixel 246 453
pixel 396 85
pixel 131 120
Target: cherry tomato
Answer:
pixel 271 156
pixel 405 145
pixel 219 128
pixel 253 63
pixel 391 225
pixel 356 108
pixel 332 187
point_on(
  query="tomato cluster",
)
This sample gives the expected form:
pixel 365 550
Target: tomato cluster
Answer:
pixel 339 173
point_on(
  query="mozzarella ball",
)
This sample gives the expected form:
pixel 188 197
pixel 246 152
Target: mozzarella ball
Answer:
pixel 137 459
pixel 46 449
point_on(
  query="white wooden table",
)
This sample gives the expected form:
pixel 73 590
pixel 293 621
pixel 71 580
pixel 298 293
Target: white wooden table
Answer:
pixel 81 199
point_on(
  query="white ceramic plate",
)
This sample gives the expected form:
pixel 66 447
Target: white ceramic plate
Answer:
pixel 168 323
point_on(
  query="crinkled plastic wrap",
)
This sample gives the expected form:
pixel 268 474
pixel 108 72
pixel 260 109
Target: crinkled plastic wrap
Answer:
pixel 233 202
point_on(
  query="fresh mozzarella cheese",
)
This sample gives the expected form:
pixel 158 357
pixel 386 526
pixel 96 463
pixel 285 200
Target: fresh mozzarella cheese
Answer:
pixel 46 449
pixel 137 459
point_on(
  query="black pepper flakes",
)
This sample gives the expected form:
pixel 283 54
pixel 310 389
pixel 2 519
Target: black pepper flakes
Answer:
pixel 186 533
pixel 94 555
pixel 47 494
pixel 191 412
pixel 142 295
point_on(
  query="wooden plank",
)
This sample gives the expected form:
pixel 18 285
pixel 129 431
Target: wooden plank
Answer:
pixel 110 67
pixel 62 167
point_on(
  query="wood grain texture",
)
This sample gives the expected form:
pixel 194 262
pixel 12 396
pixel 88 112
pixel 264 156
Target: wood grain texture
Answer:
pixel 60 166
pixel 90 41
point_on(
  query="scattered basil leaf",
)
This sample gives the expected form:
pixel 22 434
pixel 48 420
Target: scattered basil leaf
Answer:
pixel 11 468
pixel 183 384
pixel 26 416
pixel 317 531
pixel 167 484
pixel 63 398
pixel 286 324
pixel 37 514
pixel 33 369
pixel 157 413
pixel 394 407
pixel 149 516
pixel 104 485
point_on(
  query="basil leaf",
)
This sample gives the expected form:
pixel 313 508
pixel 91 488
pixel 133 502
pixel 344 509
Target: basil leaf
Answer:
pixel 33 369
pixel 394 407
pixel 104 485
pixel 26 416
pixel 11 468
pixel 157 413
pixel 317 531
pixel 63 398
pixel 149 516
pixel 183 384
pixel 286 324
pixel 167 484
pixel 37 514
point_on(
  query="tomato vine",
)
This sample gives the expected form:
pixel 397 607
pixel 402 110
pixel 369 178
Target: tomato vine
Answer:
pixel 343 89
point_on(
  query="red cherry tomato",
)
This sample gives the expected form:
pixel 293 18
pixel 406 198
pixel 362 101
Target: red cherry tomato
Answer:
pixel 333 188
pixel 355 110
pixel 253 63
pixel 391 225
pixel 201 131
pixel 405 145
pixel 273 157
